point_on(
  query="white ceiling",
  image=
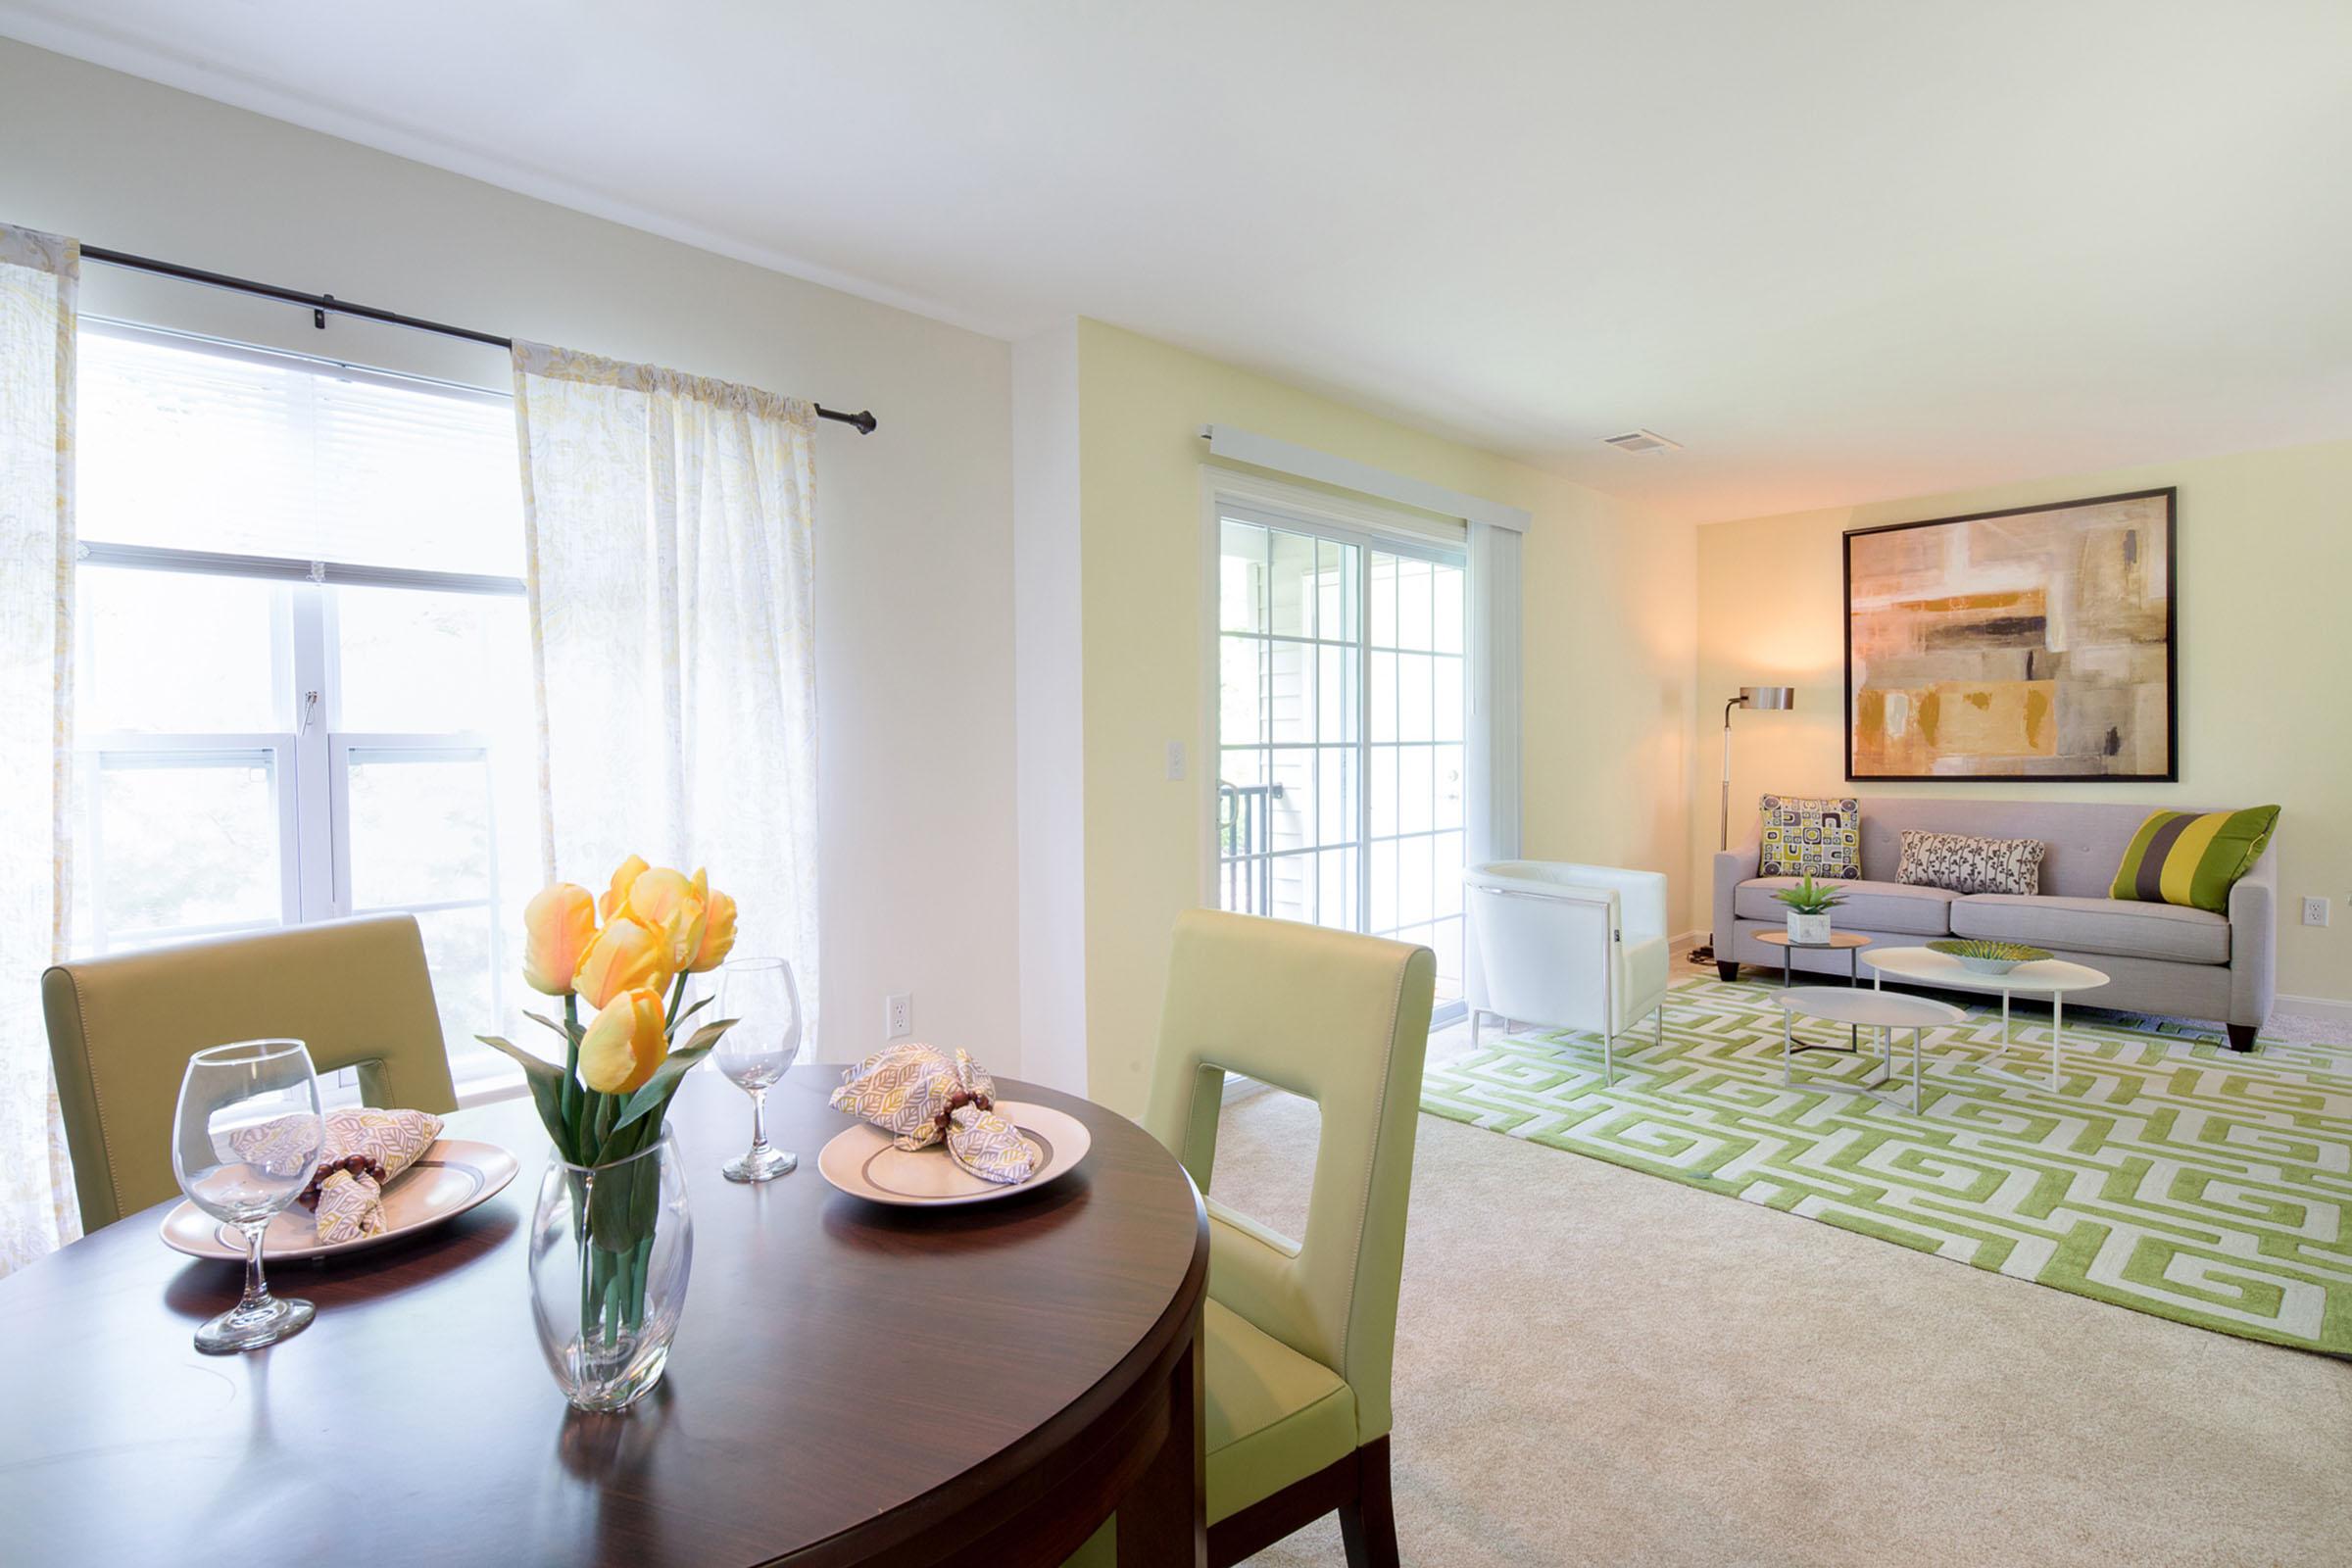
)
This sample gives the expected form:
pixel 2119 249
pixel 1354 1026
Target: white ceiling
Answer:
pixel 1841 251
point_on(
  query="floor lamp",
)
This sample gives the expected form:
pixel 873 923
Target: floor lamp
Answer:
pixel 1770 698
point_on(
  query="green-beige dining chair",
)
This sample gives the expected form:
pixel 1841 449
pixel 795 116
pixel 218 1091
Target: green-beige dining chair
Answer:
pixel 1300 1335
pixel 122 1029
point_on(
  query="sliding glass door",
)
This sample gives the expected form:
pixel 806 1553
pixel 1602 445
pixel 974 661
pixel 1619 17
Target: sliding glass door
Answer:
pixel 1340 731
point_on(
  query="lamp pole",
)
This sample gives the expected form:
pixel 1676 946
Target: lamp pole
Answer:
pixel 1765 697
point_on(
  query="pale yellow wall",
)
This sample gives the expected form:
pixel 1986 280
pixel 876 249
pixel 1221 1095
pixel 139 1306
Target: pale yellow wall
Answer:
pixel 2265 711
pixel 1608 654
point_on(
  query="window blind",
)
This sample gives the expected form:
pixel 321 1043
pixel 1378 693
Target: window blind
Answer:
pixel 257 454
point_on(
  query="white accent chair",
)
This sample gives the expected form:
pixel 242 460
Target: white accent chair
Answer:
pixel 1568 947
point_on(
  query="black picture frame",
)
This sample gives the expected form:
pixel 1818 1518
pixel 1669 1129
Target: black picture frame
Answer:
pixel 2171 495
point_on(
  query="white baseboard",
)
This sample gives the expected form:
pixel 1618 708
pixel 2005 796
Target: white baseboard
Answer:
pixel 1687 941
pixel 2313 1008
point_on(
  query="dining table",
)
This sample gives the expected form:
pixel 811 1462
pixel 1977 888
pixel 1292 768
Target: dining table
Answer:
pixel 851 1382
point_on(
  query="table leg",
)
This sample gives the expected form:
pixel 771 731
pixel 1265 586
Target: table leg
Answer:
pixel 1163 1520
pixel 1918 1099
pixel 2057 1032
pixel 1788 1021
pixel 1853 982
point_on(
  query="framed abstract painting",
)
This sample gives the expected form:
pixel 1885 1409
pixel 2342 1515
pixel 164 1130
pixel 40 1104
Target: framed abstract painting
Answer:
pixel 2033 643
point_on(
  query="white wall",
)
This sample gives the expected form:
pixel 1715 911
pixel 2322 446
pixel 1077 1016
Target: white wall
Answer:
pixel 914 577
pixel 1049 717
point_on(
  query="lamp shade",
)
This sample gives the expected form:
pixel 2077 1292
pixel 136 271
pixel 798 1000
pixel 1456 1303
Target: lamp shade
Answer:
pixel 1767 697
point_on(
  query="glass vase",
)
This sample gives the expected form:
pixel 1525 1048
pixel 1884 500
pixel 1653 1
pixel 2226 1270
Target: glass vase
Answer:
pixel 612 1247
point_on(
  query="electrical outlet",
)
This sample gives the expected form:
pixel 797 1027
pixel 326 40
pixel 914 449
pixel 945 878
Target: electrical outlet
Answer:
pixel 1175 760
pixel 2315 911
pixel 898 1015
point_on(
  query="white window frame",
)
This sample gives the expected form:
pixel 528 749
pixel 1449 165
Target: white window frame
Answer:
pixel 1369 527
pixel 312 762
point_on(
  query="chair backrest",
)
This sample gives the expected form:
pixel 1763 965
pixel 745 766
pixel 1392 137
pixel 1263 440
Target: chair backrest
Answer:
pixel 1342 1020
pixel 122 1029
pixel 1549 938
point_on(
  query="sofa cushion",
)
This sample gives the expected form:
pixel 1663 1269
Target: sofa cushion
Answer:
pixel 1868 906
pixel 1967 865
pixel 2192 858
pixel 2096 925
pixel 1803 834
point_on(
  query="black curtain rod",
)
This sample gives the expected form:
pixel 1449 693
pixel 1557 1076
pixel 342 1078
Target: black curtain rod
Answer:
pixel 321 306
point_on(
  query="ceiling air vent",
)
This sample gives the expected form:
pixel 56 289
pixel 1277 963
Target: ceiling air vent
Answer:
pixel 1641 441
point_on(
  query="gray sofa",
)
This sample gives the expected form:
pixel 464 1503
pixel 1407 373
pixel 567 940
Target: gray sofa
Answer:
pixel 2159 957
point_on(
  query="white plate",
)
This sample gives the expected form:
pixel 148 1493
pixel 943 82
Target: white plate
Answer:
pixel 864 1163
pixel 450 1177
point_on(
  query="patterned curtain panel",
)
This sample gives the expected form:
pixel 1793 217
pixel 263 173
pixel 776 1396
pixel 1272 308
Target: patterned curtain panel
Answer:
pixel 668 524
pixel 37 277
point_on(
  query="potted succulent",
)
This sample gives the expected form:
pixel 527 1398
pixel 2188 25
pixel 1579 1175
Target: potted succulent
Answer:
pixel 1809 905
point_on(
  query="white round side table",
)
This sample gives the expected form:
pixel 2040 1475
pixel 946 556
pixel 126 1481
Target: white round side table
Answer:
pixel 1862 1009
pixel 2044 977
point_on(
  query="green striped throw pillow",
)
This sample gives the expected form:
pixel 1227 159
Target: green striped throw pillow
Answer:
pixel 2192 858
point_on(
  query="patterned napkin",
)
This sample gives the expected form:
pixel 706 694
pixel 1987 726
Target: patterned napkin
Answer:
pixel 359 1153
pixel 924 1096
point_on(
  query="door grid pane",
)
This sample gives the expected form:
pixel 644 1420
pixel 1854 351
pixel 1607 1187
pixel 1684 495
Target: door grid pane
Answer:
pixel 1341 735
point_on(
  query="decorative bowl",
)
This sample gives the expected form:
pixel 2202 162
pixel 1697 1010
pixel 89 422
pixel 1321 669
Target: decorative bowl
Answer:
pixel 1989 957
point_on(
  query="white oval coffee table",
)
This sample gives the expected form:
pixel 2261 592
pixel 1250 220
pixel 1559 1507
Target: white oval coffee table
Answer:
pixel 2053 978
pixel 1862 1009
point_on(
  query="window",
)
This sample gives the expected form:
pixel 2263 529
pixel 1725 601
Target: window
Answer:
pixel 1340 731
pixel 303 682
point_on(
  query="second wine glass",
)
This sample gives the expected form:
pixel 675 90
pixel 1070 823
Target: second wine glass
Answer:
pixel 244 1144
pixel 764 1000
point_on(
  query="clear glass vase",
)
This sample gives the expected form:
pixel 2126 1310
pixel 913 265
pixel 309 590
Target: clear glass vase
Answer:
pixel 612 1247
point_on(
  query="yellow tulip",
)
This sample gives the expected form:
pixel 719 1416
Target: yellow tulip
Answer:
pixel 624 1043
pixel 671 908
pixel 719 932
pixel 557 927
pixel 624 956
pixel 616 896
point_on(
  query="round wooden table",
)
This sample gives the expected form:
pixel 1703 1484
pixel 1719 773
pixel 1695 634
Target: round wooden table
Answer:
pixel 849 1384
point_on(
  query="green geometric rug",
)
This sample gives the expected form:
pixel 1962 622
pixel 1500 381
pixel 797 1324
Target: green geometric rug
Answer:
pixel 2169 1175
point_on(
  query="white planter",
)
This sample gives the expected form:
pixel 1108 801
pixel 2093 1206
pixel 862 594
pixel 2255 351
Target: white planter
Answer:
pixel 1809 930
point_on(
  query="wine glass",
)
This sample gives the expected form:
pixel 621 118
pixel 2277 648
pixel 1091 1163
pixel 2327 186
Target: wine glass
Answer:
pixel 245 1145
pixel 763 1000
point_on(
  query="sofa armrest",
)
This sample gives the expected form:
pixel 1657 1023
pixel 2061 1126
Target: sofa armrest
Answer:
pixel 2254 940
pixel 1732 867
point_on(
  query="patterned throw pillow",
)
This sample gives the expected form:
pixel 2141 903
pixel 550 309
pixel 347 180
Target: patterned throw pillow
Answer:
pixel 1959 864
pixel 2193 861
pixel 1804 836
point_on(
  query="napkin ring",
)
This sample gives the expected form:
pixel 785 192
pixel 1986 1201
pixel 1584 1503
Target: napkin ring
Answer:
pixel 356 1164
pixel 956 1102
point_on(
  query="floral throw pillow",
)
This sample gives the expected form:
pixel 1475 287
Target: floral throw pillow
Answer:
pixel 1807 837
pixel 1959 864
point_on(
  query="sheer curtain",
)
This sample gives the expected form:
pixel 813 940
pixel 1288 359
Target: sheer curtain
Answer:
pixel 1494 804
pixel 37 277
pixel 667 520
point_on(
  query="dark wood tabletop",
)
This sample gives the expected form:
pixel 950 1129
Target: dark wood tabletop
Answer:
pixel 849 1383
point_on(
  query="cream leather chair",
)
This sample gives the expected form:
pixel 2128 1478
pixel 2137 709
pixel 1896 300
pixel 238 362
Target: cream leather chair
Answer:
pixel 1569 946
pixel 121 1030
pixel 1300 1335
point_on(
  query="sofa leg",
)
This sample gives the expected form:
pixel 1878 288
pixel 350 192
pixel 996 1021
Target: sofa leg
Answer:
pixel 2241 1036
pixel 1727 968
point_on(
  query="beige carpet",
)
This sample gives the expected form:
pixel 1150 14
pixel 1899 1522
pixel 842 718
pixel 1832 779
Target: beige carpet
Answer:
pixel 1597 1366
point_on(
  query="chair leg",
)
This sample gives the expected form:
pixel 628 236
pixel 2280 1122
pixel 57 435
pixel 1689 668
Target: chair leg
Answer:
pixel 1728 969
pixel 1368 1525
